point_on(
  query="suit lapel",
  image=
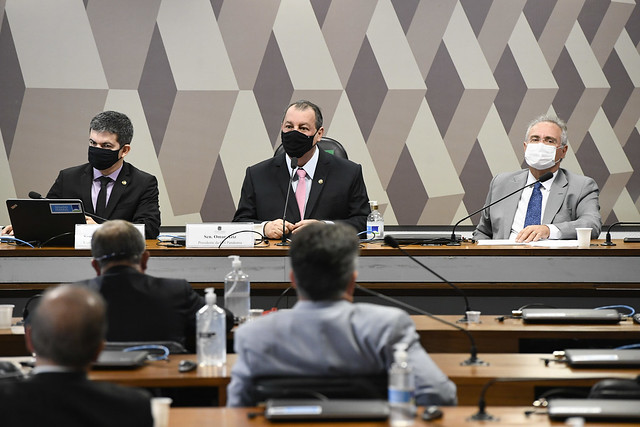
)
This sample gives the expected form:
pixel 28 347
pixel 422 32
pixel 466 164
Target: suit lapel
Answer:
pixel 120 185
pixel 86 182
pixel 557 194
pixel 511 203
pixel 323 168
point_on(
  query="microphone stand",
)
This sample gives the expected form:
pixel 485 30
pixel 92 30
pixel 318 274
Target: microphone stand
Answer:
pixel 391 241
pixel 294 164
pixel 607 241
pixel 473 360
pixel 454 241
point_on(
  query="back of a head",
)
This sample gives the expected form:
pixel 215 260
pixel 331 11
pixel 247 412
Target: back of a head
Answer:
pixel 113 122
pixel 323 258
pixel 69 326
pixel 117 240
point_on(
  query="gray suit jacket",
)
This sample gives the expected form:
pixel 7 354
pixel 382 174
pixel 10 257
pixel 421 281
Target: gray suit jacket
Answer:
pixel 332 338
pixel 572 202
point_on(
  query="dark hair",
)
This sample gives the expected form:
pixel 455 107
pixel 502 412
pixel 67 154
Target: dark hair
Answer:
pixel 69 325
pixel 323 258
pixel 117 240
pixel 113 122
pixel 303 105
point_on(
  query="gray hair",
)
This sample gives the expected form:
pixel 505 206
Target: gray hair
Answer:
pixel 117 240
pixel 550 119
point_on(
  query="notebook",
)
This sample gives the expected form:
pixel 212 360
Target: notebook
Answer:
pixel 313 409
pixel 595 409
pixel 570 315
pixel 49 222
pixel 578 358
pixel 110 359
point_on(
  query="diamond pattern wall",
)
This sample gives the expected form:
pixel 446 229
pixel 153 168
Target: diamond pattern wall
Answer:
pixel 432 97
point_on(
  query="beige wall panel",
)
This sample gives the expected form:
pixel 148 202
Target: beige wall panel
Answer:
pixel 609 148
pixel 611 191
pixel 531 62
pixel 611 26
pixel 442 207
pixel 497 28
pixel 534 104
pixel 7 189
pixel 625 209
pixel 555 33
pixel 496 146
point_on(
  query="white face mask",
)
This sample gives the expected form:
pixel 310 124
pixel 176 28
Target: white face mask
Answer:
pixel 540 156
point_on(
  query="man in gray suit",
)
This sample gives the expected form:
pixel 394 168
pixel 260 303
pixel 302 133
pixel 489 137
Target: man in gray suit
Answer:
pixel 565 202
pixel 325 334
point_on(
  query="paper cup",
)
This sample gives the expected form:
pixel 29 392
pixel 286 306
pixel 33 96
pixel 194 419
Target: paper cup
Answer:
pixel 6 313
pixel 584 237
pixel 160 411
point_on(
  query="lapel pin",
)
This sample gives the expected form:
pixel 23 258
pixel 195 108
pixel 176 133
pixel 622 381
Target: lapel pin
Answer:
pixel 321 181
pixel 124 182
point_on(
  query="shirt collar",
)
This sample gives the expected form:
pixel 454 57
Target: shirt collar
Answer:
pixel 113 175
pixel 310 166
pixel 547 184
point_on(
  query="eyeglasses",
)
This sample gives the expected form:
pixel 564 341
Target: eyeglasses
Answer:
pixel 546 140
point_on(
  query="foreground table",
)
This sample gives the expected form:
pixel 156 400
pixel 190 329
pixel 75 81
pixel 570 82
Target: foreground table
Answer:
pixel 510 335
pixel 452 417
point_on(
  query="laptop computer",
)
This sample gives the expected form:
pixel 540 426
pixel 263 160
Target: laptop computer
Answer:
pixel 48 222
pixel 314 410
pixel 570 315
pixel 111 359
pixel 595 409
pixel 587 358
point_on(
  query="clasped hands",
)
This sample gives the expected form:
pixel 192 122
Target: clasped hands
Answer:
pixel 273 229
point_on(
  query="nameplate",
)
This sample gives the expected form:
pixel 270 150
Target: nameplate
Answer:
pixel 84 234
pixel 213 234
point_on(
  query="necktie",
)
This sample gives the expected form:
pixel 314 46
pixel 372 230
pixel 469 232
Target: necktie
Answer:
pixel 101 203
pixel 534 210
pixel 301 190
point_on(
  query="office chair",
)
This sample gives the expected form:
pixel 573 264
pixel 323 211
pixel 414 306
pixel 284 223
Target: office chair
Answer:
pixel 323 388
pixel 327 144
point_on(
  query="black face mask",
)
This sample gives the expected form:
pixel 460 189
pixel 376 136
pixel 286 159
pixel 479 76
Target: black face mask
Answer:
pixel 102 158
pixel 296 143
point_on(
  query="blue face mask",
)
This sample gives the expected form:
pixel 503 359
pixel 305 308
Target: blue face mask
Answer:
pixel 103 158
pixel 296 143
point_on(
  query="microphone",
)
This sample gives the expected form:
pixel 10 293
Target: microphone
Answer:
pixel 391 241
pixel 454 242
pixel 608 241
pixel 473 360
pixel 294 164
pixel 36 195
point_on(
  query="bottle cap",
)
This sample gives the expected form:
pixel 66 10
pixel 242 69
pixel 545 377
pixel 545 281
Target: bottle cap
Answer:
pixel 400 352
pixel 210 296
pixel 236 263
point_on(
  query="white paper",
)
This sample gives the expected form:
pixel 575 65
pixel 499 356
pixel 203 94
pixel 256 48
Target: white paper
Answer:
pixel 211 235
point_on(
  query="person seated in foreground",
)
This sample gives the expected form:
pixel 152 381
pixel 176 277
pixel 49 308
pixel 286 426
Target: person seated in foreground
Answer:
pixel 325 333
pixel 66 334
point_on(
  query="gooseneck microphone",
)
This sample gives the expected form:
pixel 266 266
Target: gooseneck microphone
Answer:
pixel 36 195
pixel 391 241
pixel 454 241
pixel 283 242
pixel 473 360
pixel 608 241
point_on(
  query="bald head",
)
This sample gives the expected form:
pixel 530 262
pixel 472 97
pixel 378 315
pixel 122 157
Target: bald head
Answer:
pixel 117 242
pixel 68 326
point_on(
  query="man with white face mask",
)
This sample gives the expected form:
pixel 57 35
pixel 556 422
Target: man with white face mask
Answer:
pixel 549 210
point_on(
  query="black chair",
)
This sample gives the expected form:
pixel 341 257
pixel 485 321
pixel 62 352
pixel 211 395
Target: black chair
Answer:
pixel 327 144
pixel 323 388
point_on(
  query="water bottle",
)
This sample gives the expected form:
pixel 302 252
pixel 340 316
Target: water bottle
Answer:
pixel 375 222
pixel 236 291
pixel 402 405
pixel 211 335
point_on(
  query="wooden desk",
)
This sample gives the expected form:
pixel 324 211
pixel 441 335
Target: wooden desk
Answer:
pixel 12 340
pixel 452 417
pixel 493 336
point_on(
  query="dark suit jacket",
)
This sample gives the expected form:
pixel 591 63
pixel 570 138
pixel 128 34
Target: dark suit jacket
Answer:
pixel 134 196
pixel 146 308
pixel 338 193
pixel 572 202
pixel 71 400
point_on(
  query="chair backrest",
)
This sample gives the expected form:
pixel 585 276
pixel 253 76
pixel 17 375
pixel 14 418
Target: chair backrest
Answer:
pixel 327 144
pixel 344 387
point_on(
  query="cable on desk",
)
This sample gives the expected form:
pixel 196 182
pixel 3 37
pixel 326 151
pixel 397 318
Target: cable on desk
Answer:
pixel 162 348
pixel 631 309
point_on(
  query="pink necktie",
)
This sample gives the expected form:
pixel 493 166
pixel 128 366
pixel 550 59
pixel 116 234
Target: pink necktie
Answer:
pixel 301 191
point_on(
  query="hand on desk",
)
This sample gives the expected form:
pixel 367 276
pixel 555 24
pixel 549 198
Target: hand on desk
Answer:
pixel 89 220
pixel 273 229
pixel 533 233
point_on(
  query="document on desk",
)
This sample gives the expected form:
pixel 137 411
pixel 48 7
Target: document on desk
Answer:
pixel 540 243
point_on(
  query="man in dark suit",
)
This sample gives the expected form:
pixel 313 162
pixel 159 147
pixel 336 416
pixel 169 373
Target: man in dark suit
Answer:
pixel 130 193
pixel 66 333
pixel 139 307
pixel 332 189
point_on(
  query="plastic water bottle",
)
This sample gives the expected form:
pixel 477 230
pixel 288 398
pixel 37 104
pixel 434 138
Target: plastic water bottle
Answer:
pixel 402 404
pixel 236 291
pixel 211 336
pixel 375 222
